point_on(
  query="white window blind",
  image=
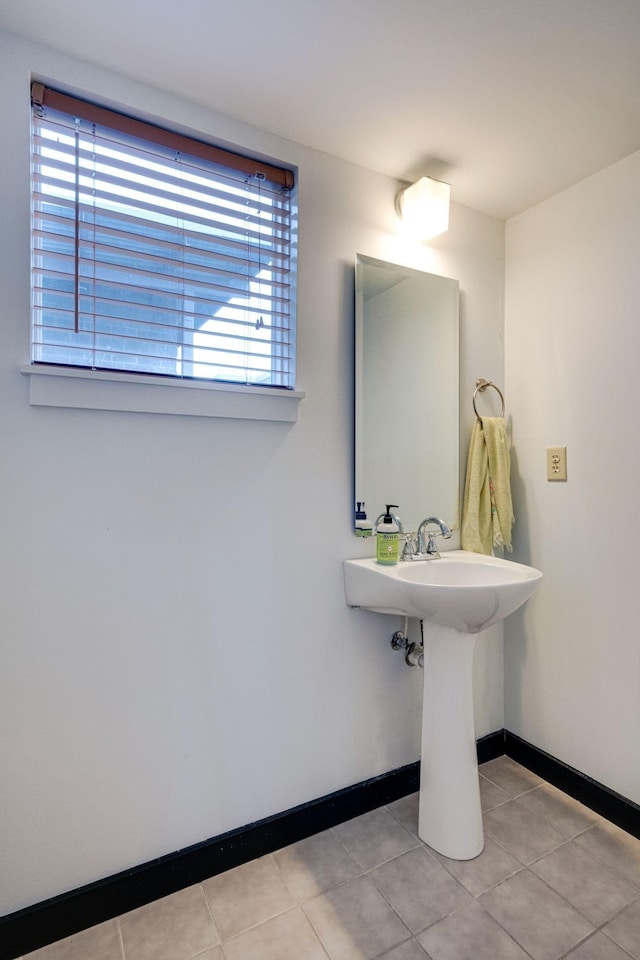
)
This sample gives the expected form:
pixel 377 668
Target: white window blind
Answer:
pixel 155 254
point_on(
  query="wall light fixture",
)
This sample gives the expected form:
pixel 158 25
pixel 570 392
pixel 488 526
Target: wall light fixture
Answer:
pixel 424 208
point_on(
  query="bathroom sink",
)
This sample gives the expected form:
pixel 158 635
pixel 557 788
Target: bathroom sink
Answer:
pixel 462 590
pixel 456 595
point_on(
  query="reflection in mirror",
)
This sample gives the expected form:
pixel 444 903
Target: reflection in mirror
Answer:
pixel 406 392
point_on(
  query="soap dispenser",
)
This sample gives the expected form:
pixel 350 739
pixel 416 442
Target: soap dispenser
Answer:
pixel 364 527
pixel 387 538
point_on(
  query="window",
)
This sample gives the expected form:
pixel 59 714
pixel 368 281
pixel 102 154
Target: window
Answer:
pixel 156 254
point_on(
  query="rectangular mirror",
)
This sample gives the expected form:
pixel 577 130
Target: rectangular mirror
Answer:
pixel 406 392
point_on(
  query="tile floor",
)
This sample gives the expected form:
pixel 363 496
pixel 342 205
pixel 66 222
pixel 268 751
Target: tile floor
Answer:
pixel 554 881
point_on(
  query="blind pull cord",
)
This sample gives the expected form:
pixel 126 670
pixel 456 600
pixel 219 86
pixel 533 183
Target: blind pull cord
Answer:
pixel 76 214
pixel 259 178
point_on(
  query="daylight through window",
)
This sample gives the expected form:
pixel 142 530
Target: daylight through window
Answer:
pixel 155 254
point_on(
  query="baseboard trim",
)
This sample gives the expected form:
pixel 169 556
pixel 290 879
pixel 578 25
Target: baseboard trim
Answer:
pixel 614 807
pixel 491 746
pixel 44 923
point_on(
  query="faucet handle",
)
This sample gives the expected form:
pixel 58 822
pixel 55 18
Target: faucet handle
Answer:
pixel 431 542
pixel 410 548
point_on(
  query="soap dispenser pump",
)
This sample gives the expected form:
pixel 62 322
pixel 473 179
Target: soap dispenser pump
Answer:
pixel 387 538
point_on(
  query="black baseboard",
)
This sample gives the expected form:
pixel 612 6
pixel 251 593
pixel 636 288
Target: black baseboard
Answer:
pixel 69 913
pixel 44 923
pixel 491 746
pixel 610 805
pixel 64 915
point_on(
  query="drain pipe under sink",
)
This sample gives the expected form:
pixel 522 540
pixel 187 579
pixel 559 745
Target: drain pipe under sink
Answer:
pixel 414 655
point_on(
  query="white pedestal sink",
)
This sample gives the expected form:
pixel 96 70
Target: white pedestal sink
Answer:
pixel 456 595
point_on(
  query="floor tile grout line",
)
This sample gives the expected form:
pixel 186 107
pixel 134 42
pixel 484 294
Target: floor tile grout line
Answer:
pixel 120 938
pixel 366 870
pixel 593 934
pixel 294 903
pixel 606 863
pixel 555 791
pixel 451 912
pixel 399 821
pixel 491 886
pixel 539 817
pixel 385 953
pixel 550 822
pixel 496 806
pixel 580 943
pixel 386 899
pixel 317 933
pixel 211 912
pixel 584 939
pixel 209 907
pixel 618 945
pixel 510 853
pixel 260 923
pixel 281 871
pixel 299 903
pixel 509 795
pixel 363 870
pixel 592 856
pixel 527 863
pixel 597 927
pixel 336 886
pixel 548 853
pixel 504 929
pixel 336 837
pixel 201 953
pixel 544 820
pixel 616 914
pixel 416 841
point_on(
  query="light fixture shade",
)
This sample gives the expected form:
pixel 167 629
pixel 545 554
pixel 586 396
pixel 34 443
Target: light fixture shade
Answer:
pixel 424 208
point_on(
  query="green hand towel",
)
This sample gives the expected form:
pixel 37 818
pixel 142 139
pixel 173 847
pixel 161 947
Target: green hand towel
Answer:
pixel 487 511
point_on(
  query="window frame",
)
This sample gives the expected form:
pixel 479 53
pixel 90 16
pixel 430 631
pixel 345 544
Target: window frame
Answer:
pixel 71 385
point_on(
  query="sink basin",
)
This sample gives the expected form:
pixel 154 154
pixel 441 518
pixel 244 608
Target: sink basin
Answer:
pixel 462 590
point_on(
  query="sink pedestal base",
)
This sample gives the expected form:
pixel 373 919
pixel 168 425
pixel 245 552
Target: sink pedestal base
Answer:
pixel 450 818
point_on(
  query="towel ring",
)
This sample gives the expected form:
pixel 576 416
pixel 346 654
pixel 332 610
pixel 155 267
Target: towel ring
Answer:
pixel 481 385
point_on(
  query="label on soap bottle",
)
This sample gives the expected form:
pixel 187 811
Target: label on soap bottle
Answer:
pixel 387 548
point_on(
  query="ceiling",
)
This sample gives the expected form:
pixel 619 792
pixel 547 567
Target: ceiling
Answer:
pixel 510 101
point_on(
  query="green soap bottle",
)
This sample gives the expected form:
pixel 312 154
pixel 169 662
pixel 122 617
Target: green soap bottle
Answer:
pixel 387 538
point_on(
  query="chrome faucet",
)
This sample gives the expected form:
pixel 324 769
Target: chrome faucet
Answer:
pixel 426 545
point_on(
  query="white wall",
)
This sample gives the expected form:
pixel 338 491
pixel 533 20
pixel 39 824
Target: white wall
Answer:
pixel 572 657
pixel 177 656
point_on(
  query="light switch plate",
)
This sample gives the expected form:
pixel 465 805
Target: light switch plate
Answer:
pixel 556 463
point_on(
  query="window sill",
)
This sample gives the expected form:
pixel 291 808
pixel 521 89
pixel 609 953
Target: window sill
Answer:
pixel 101 390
